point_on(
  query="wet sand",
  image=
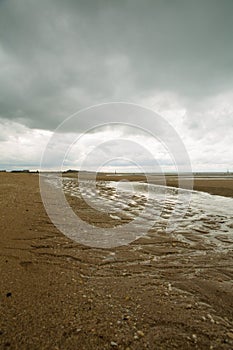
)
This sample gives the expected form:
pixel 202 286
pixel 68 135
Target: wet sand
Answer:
pixel 155 293
pixel 217 185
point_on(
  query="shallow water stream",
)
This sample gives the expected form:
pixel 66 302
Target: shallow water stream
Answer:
pixel 189 216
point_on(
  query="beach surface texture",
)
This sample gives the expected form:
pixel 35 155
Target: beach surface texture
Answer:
pixel 159 292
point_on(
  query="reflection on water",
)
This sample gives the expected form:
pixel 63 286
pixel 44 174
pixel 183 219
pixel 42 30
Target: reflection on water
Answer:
pixel 195 218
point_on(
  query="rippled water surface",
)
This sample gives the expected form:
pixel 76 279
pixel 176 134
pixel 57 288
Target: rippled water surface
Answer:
pixel 191 217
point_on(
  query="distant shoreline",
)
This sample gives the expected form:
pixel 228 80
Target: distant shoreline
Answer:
pixel 213 183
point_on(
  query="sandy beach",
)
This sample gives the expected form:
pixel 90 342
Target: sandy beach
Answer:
pixel 157 293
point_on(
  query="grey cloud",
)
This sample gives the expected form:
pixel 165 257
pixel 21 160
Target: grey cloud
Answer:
pixel 59 56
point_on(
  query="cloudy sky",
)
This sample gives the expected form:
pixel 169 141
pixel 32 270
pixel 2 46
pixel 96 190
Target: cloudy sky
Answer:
pixel 174 57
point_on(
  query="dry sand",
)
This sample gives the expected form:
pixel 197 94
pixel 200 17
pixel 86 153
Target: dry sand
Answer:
pixel 57 294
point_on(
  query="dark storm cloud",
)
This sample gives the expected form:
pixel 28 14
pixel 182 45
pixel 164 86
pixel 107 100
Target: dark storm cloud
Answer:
pixel 59 56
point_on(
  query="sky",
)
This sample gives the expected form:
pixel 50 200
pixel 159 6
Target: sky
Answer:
pixel 174 57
